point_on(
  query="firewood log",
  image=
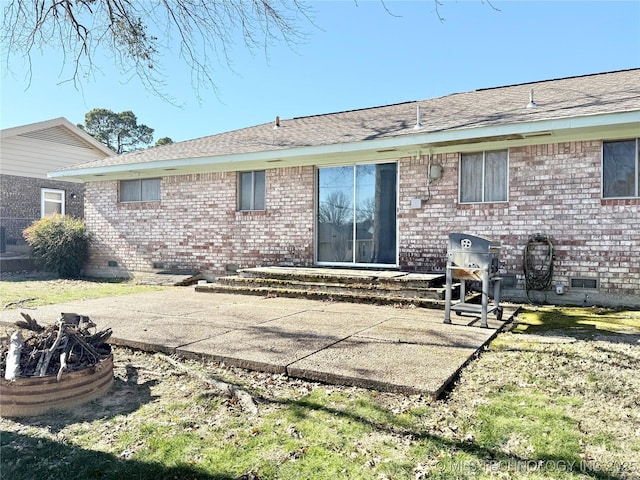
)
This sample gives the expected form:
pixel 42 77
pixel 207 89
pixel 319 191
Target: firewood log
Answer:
pixel 13 356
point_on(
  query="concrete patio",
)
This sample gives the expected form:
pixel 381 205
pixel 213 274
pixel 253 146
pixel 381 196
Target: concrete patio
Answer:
pixel 381 347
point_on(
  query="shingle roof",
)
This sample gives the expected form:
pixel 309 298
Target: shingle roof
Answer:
pixel 612 92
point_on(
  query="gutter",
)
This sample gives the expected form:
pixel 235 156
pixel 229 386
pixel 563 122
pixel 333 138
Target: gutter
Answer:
pixel 446 140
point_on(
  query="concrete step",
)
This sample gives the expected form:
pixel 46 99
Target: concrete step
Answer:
pixel 345 276
pixel 349 285
pixel 361 288
pixel 381 298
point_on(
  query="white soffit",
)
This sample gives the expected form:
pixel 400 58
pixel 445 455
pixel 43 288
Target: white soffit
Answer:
pixel 594 127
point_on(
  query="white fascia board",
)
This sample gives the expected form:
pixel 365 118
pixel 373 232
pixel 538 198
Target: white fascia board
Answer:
pixel 413 139
pixel 401 142
pixel 528 128
pixel 168 165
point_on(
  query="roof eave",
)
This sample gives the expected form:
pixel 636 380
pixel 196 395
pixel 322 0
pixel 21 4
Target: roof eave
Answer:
pixel 542 131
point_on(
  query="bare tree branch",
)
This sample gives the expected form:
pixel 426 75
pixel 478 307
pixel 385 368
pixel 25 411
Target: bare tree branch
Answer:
pixel 138 35
pixel 135 34
pixel 437 4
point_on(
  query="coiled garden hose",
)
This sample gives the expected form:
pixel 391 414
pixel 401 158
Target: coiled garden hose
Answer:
pixel 538 267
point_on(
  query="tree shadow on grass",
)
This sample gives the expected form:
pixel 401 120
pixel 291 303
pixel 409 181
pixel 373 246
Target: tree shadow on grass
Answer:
pixel 25 458
pixel 616 326
pixel 606 328
pixel 609 357
pixel 382 419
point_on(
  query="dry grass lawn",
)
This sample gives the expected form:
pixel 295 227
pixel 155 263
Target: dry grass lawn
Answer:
pixel 556 397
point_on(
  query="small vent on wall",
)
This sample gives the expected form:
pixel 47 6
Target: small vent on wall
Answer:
pixel 508 281
pixel 580 283
pixel 112 263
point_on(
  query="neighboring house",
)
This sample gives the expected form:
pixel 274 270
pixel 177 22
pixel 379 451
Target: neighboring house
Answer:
pixel 383 187
pixel 27 153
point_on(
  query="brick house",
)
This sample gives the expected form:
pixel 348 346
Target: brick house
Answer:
pixel 383 187
pixel 27 153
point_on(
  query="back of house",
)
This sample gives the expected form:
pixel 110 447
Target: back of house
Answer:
pixel 383 188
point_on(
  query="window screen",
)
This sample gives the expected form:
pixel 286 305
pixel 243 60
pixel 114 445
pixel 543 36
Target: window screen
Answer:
pixel 484 177
pixel 252 190
pixel 144 190
pixel 620 169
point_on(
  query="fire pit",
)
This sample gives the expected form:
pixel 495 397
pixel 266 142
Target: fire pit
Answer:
pixel 55 367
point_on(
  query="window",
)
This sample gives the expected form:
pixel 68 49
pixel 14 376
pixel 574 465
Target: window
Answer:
pixel 484 177
pixel 251 188
pixel 51 201
pixel 621 169
pixel 145 190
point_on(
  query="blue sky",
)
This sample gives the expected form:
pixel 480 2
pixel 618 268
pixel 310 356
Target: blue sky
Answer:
pixel 356 55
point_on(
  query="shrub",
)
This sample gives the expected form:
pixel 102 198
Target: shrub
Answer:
pixel 60 244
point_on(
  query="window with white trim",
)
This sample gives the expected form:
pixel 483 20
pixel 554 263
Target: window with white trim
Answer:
pixel 484 177
pixel 251 190
pixel 51 201
pixel 140 190
pixel 621 169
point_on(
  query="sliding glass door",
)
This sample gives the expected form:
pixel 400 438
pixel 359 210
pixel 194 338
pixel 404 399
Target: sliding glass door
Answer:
pixel 356 218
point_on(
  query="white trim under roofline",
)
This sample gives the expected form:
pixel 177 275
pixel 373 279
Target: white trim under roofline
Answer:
pixel 450 138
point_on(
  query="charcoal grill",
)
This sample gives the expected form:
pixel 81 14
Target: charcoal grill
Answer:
pixel 472 258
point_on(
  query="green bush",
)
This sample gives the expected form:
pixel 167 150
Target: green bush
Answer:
pixel 60 244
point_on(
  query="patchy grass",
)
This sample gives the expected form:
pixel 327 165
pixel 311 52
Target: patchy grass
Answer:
pixel 582 322
pixel 521 410
pixel 34 293
pixel 557 398
pixel 530 425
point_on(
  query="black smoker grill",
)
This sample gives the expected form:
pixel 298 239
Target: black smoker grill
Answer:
pixel 471 258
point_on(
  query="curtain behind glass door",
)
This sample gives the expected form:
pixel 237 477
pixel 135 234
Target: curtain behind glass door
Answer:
pixel 375 213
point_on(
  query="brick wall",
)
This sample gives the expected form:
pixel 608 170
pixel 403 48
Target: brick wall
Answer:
pixel 196 225
pixel 554 190
pixel 20 202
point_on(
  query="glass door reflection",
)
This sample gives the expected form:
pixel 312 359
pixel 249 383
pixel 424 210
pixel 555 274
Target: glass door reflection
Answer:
pixel 357 214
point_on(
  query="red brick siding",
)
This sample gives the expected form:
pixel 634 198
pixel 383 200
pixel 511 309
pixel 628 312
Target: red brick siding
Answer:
pixel 196 224
pixel 553 189
pixel 20 202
